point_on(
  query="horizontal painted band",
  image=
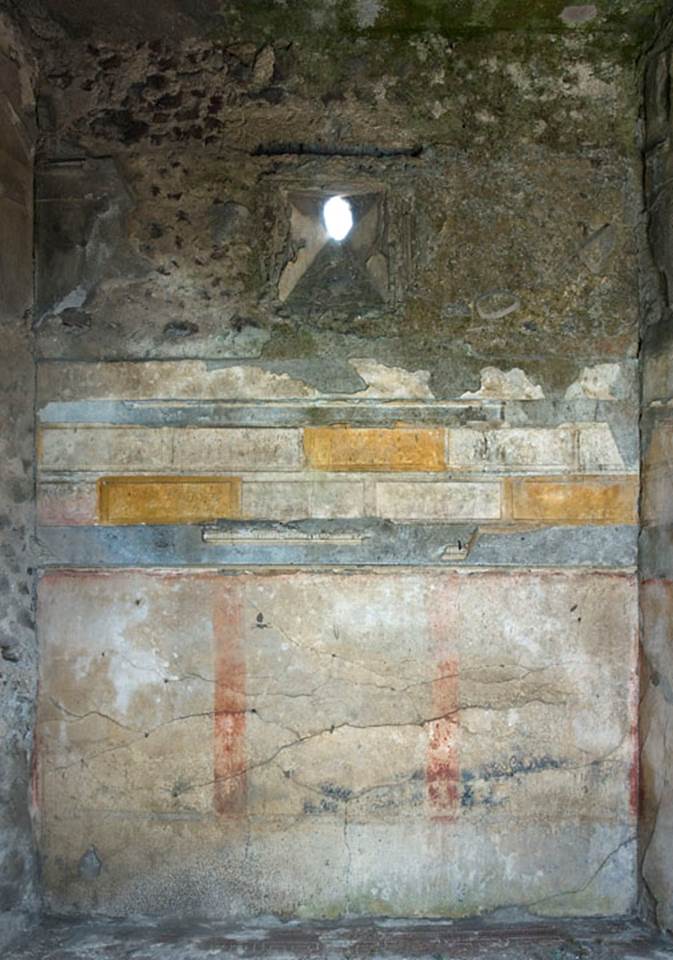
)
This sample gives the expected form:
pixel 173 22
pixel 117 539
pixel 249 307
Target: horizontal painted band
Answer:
pixel 498 449
pixel 216 413
pixel 361 543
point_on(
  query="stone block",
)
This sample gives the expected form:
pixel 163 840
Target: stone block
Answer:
pixel 104 449
pixel 132 500
pixel 658 376
pixel 65 504
pixel 422 500
pixel 100 449
pixel 657 503
pixel 532 449
pixel 237 449
pixel 291 500
pixel 575 501
pixel 395 449
pixel 659 451
pixel 598 450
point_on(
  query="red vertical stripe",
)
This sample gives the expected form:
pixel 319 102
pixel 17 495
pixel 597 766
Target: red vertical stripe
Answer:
pixel 442 772
pixel 442 769
pixel 230 701
pixel 634 709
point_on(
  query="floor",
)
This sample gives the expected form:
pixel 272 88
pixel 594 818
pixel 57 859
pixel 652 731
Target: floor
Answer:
pixel 378 940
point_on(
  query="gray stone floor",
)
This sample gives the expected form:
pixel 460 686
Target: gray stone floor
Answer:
pixel 375 940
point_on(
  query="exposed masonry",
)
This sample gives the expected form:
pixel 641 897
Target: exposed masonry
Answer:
pixel 18 653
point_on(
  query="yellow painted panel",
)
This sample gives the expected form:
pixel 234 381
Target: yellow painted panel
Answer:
pixel 576 501
pixel 127 500
pixel 360 448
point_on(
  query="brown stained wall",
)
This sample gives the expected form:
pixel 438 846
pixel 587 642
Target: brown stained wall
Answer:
pixel 508 222
pixel 17 623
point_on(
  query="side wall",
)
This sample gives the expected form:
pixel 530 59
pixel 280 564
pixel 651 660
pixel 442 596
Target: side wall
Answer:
pixel 656 548
pixel 17 633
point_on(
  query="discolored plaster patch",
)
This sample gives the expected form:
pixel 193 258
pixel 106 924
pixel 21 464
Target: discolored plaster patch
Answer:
pixel 579 14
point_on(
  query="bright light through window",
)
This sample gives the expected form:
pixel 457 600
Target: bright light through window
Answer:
pixel 338 218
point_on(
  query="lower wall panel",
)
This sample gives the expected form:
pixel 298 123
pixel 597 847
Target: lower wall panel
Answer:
pixel 322 743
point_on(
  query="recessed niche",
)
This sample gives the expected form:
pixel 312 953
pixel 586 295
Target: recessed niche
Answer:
pixel 337 255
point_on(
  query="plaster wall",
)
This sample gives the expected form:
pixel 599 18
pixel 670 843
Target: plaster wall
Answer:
pixel 320 743
pixel 338 544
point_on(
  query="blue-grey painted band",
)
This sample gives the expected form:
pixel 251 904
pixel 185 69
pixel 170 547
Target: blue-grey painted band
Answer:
pixel 356 543
pixel 220 413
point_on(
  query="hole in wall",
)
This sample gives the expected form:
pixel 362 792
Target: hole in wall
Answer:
pixel 337 216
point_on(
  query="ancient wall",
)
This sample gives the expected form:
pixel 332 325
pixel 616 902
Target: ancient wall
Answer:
pixel 338 604
pixel 656 548
pixel 17 626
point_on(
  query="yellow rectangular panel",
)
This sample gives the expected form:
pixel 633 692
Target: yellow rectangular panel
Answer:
pixel 358 448
pixel 576 501
pixel 130 500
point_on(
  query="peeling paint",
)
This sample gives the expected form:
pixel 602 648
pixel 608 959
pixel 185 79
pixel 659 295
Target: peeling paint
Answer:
pixel 603 381
pixel 390 383
pixel 505 385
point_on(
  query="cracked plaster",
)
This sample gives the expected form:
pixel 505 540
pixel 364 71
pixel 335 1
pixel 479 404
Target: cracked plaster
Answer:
pixel 336 738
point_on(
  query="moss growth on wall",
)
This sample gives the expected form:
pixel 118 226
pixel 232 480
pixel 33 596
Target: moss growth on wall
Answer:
pixel 404 18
